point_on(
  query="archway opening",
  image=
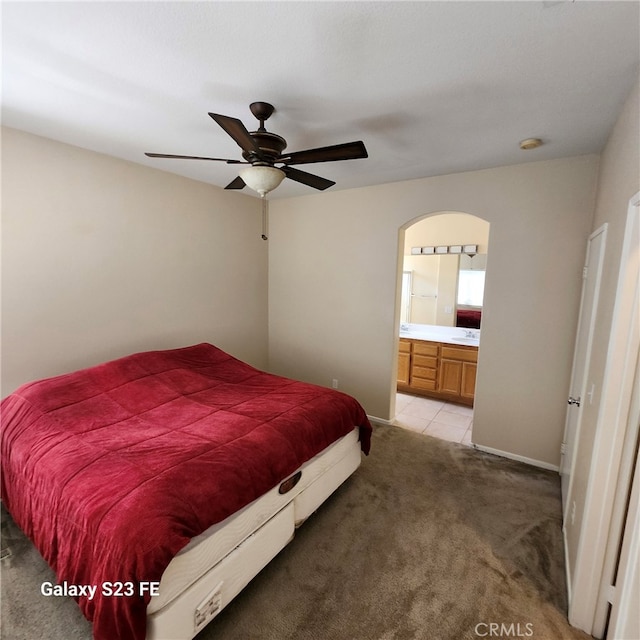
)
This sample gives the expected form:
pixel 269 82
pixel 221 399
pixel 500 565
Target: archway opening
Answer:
pixel 442 267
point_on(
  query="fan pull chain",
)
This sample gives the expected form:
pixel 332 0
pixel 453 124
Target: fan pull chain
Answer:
pixel 265 215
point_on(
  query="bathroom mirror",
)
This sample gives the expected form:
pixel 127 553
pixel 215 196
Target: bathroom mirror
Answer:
pixel 445 290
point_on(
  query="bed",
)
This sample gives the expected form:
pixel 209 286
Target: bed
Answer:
pixel 166 480
pixel 469 318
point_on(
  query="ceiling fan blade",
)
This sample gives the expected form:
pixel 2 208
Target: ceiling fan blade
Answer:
pixel 346 151
pixel 307 178
pixel 237 131
pixel 236 183
pixel 168 155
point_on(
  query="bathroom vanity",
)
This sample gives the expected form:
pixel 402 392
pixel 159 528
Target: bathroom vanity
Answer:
pixel 438 362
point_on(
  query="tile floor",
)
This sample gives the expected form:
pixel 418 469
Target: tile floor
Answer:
pixel 435 418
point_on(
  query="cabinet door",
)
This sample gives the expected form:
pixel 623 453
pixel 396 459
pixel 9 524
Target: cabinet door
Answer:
pixel 450 376
pixel 468 387
pixel 404 365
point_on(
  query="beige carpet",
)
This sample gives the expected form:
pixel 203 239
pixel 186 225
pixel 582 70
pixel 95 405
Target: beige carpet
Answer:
pixel 428 540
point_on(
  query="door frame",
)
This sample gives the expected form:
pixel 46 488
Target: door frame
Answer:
pixel 622 568
pixel 624 621
pixel 611 430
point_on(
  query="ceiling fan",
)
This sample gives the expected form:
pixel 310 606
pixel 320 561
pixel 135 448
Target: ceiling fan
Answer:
pixel 262 150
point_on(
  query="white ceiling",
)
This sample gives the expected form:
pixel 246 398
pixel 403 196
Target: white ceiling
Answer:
pixel 430 87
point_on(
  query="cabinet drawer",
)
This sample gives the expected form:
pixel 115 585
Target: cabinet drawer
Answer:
pixel 425 348
pixel 423 373
pixel 404 346
pixel 422 383
pixel 456 353
pixel 425 361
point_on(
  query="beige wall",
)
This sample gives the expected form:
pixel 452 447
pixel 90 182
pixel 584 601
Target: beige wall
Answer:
pixel 102 257
pixel 334 265
pixel 619 180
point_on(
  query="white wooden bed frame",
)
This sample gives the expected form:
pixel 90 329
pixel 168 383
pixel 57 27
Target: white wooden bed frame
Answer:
pixel 216 565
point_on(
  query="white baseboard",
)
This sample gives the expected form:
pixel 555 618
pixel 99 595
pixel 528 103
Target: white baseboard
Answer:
pixel 495 452
pixel 514 456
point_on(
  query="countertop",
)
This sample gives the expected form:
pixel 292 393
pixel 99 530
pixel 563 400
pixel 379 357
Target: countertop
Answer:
pixel 434 333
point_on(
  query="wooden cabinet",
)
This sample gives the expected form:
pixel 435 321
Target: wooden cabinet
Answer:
pixel 404 361
pixel 438 370
pixel 468 385
pixel 424 365
pixel 450 376
pixel 458 371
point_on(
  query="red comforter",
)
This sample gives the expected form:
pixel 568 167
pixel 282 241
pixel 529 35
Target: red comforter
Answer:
pixel 112 470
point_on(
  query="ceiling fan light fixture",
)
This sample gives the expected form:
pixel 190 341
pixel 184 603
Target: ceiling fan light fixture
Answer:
pixel 262 178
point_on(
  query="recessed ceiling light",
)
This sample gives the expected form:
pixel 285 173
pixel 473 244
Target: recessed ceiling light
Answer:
pixel 530 143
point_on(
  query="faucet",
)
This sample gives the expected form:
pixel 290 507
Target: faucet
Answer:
pixel 470 333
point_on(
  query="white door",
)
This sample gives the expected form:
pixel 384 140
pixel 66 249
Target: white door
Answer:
pixel 620 582
pixel 596 581
pixel 591 277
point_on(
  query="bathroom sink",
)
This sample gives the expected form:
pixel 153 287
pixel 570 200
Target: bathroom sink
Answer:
pixel 473 341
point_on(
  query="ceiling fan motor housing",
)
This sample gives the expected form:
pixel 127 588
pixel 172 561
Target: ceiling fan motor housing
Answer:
pixel 271 146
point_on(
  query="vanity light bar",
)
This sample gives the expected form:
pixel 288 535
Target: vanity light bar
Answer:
pixel 455 248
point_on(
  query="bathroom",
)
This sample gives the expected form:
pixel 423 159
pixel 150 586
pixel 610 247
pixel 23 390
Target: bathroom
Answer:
pixel 444 267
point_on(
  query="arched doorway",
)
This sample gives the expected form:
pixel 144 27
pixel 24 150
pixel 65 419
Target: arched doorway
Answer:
pixel 441 273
